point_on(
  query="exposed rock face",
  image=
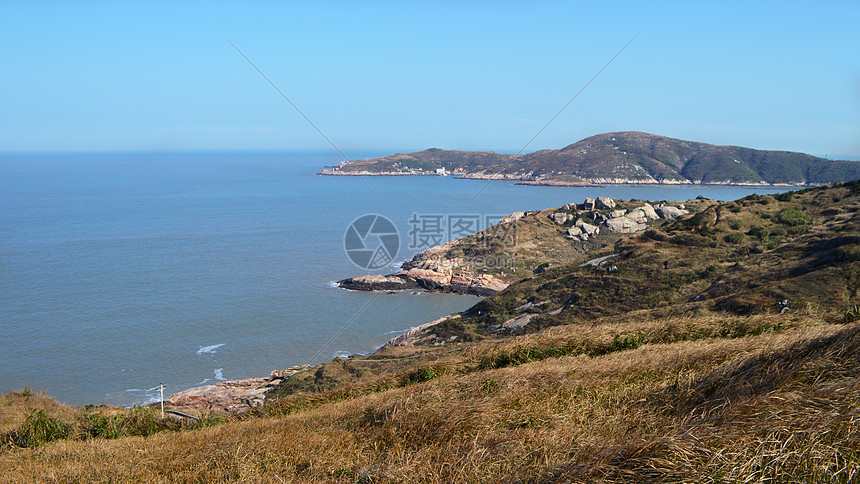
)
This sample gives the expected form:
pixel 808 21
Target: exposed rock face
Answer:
pixel 429 279
pixel 483 285
pixel 638 216
pixel 231 395
pixel 624 225
pixel 382 283
pixel 443 280
pixel 512 217
pixel 649 211
pixel 513 324
pixel 589 204
pixel 617 213
pixel 590 229
pixel 669 212
pixel 419 334
pixel 560 217
pixel 604 203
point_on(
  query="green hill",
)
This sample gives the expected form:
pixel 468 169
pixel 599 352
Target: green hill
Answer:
pixel 622 157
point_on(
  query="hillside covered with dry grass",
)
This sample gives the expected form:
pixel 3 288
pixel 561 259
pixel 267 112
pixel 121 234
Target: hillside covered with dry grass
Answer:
pixel 721 347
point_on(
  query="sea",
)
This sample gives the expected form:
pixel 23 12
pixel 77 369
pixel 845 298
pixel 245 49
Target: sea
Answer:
pixel 121 271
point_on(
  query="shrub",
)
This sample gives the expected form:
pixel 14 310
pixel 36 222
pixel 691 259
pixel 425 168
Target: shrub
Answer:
pixel 759 232
pixel 734 238
pixel 39 428
pixel 793 217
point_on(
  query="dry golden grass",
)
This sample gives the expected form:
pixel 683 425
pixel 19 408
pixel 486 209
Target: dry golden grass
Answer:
pixel 16 406
pixel 777 406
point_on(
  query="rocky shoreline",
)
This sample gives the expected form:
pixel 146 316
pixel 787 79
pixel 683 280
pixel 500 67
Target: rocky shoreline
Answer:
pixel 600 182
pixel 435 270
pixel 234 396
pixel 430 270
pixel 429 280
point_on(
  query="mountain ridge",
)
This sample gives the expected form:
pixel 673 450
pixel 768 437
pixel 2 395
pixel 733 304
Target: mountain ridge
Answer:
pixel 623 157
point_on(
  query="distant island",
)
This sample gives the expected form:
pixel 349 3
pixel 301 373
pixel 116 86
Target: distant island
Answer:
pixel 626 157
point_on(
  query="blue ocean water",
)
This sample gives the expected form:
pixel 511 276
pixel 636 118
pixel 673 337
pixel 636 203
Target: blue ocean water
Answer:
pixel 119 271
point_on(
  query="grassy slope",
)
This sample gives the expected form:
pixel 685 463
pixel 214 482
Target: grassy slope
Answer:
pixel 654 387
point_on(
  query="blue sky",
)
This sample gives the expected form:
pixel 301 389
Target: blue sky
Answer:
pixel 408 75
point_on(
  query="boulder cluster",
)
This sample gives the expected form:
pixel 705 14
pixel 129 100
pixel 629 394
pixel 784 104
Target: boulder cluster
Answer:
pixel 586 219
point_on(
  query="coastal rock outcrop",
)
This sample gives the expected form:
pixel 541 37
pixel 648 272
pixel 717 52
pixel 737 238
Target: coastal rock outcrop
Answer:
pixel 624 225
pixel 604 203
pixel 419 334
pixel 235 396
pixel 430 280
pixel 560 217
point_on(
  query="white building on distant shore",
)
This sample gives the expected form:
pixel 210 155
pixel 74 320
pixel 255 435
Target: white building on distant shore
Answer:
pixel 442 171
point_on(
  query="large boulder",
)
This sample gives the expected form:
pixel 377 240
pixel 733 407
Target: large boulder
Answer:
pixel 669 212
pixel 590 229
pixel 638 216
pixel 512 217
pixel 649 211
pixel 574 231
pixel 624 225
pixel 513 324
pixel 617 213
pixel 604 203
pixel 560 217
pixel 588 204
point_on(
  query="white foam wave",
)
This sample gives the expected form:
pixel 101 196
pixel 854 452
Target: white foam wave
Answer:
pixel 209 349
pixel 219 374
pixel 342 354
pixel 204 381
pixel 397 331
pixel 333 284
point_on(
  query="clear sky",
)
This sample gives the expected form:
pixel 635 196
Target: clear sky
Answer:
pixel 413 75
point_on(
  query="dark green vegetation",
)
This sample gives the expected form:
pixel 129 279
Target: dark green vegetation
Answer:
pixel 624 157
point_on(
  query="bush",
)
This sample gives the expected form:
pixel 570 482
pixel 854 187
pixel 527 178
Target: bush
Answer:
pixel 793 217
pixel 39 428
pixel 734 238
pixel 759 232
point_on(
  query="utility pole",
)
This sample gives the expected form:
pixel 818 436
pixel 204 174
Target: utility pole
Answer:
pixel 161 389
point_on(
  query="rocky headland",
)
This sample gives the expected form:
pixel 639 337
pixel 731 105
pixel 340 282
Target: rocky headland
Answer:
pixel 444 268
pixel 626 157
